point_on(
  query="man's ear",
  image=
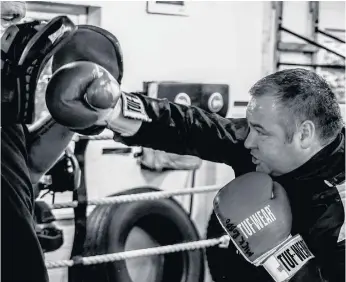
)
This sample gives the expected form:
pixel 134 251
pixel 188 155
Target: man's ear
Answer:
pixel 307 132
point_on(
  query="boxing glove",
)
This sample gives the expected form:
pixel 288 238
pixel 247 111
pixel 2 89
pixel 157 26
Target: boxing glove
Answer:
pixel 67 90
pixel 85 97
pixel 255 212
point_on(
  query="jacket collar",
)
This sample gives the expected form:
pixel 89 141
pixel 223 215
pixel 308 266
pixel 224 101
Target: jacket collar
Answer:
pixel 328 164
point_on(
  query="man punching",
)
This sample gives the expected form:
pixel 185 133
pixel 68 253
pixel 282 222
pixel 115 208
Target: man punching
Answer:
pixel 293 132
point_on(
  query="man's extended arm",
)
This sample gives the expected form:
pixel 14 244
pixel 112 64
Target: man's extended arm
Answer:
pixel 140 120
pixel 190 131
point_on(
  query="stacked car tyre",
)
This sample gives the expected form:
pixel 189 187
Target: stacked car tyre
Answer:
pixel 108 229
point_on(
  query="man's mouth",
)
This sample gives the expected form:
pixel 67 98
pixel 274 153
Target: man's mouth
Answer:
pixel 255 160
pixel 13 11
pixel 9 17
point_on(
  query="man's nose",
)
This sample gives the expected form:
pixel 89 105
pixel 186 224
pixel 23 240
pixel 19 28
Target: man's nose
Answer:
pixel 250 141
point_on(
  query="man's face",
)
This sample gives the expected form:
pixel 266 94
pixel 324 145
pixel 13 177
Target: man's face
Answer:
pixel 11 13
pixel 267 139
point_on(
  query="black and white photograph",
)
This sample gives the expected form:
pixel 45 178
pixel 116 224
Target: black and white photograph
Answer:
pixel 173 141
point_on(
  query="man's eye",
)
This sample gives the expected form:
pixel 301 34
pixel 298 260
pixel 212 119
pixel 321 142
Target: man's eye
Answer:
pixel 260 132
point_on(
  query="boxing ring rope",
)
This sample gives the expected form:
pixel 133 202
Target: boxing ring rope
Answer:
pixel 98 259
pixel 96 137
pixel 139 197
pixel 189 246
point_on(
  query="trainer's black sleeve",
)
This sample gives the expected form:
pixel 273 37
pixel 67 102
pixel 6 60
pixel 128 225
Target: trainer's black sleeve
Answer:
pixel 22 259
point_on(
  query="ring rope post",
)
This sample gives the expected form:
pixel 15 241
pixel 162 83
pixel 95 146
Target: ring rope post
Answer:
pixel 80 196
pixel 188 246
pixel 140 197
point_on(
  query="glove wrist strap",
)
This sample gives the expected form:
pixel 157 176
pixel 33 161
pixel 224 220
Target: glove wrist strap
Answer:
pixel 286 261
pixel 117 122
pixel 133 107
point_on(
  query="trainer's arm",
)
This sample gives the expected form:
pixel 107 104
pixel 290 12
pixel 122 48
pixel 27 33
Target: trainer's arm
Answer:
pixel 46 142
pixel 188 131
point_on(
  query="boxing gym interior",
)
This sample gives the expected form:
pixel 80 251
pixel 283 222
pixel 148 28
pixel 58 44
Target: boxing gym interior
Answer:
pixel 112 212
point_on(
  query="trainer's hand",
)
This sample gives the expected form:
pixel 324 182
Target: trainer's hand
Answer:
pixel 80 95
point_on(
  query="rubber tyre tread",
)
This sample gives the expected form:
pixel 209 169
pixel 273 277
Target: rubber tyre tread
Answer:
pixel 100 225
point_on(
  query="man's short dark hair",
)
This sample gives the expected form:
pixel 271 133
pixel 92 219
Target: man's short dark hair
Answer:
pixel 304 95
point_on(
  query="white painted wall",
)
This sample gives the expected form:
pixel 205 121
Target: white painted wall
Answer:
pixel 218 42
